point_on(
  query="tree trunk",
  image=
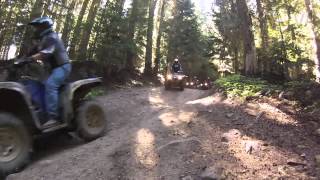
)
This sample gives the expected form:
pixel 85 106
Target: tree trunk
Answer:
pixel 248 37
pixel 263 22
pixel 158 46
pixel 99 29
pixel 36 11
pixel 68 23
pixel 3 33
pixel 236 60
pixel 171 54
pixel 46 9
pixel 61 10
pixel 131 31
pixel 290 25
pixel 313 19
pixel 77 30
pixel 148 60
pixel 121 3
pixel 87 29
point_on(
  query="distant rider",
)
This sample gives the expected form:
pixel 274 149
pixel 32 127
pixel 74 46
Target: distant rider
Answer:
pixel 176 66
pixel 51 50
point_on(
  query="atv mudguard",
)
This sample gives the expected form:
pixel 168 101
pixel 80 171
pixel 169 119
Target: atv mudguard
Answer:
pixel 73 94
pixel 16 100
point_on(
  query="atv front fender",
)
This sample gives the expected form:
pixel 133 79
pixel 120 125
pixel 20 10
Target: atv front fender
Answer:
pixel 17 101
pixel 74 94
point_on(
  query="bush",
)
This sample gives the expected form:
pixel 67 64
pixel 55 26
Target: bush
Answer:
pixel 241 86
pixel 99 91
pixel 305 84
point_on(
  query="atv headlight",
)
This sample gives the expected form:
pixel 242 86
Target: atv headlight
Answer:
pixel 180 77
pixel 169 77
pixel 187 84
pixel 192 84
pixel 206 84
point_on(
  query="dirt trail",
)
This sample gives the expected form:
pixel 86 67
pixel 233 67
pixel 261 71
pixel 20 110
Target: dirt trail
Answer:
pixel 169 135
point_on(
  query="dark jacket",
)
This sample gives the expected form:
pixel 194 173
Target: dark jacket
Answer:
pixel 176 67
pixel 53 48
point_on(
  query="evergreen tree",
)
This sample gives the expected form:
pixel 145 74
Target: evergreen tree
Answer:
pixel 185 39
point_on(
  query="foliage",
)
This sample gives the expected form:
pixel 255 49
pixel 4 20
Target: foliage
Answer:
pixel 284 31
pixel 185 39
pixel 241 86
pixel 285 45
pixel 291 85
pixel 96 92
pixel 112 43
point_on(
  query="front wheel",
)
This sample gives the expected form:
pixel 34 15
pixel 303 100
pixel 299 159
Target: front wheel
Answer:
pixel 91 121
pixel 15 144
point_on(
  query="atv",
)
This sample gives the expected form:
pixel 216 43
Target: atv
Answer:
pixel 22 116
pixel 175 80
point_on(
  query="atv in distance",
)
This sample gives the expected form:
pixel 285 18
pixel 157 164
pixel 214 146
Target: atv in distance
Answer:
pixel 175 80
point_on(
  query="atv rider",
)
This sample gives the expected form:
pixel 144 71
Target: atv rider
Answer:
pixel 176 66
pixel 51 50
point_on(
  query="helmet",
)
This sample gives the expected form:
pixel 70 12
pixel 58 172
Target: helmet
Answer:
pixel 42 21
pixel 176 60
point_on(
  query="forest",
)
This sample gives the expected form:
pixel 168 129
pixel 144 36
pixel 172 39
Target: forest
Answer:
pixel 275 39
pixel 246 106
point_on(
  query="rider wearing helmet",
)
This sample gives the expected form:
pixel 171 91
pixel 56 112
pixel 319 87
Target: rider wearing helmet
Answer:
pixel 52 51
pixel 176 66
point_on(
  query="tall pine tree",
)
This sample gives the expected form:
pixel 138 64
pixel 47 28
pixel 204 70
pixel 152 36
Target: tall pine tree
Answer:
pixel 185 38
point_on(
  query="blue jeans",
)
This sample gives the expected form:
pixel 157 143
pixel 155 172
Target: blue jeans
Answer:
pixel 52 85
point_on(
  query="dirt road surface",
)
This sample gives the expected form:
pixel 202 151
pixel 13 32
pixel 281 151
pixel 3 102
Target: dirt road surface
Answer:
pixel 169 135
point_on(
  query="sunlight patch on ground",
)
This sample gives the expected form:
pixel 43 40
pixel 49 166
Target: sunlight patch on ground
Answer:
pixel 204 101
pixel 155 99
pixel 168 119
pixel 272 113
pixel 175 118
pixel 145 148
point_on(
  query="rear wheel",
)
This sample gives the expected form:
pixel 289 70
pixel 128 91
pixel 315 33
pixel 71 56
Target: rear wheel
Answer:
pixel 15 144
pixel 91 121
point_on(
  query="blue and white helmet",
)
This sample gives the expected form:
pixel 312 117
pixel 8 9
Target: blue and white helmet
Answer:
pixel 42 20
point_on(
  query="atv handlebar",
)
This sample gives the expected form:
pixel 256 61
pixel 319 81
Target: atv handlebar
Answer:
pixel 23 61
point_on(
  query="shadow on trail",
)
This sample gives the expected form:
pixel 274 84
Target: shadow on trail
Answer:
pixel 52 144
pixel 291 140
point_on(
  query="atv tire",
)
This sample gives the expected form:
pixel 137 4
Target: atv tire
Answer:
pixel 91 121
pixel 15 144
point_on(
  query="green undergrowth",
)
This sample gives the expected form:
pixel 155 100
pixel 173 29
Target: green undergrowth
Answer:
pixel 241 86
pixel 298 85
pixel 96 92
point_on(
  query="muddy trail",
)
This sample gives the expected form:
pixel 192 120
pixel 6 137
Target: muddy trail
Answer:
pixel 171 135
